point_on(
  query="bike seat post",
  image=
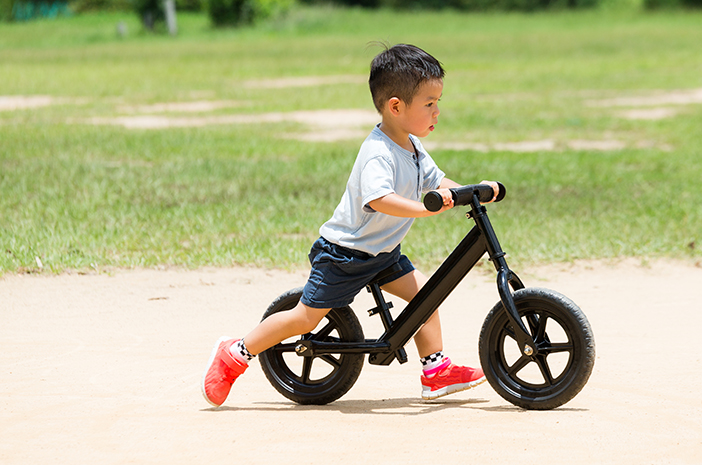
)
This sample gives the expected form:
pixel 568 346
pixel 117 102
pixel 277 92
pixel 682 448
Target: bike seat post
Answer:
pixel 382 306
pixel 383 309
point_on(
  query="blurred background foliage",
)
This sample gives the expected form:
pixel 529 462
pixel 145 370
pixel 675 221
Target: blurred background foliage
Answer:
pixel 240 12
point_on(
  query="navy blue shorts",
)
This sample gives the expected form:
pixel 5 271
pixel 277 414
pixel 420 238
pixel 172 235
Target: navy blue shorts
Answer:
pixel 339 273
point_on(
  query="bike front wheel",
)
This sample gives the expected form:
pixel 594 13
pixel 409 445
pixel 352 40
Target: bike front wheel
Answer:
pixel 564 358
pixel 315 380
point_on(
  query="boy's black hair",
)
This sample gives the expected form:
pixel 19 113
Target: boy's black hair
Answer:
pixel 398 71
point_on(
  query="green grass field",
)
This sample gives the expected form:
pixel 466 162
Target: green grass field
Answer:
pixel 75 195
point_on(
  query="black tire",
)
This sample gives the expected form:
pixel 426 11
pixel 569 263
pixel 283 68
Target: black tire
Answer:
pixel 565 357
pixel 320 379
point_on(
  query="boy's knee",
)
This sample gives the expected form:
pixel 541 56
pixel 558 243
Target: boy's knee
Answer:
pixel 307 318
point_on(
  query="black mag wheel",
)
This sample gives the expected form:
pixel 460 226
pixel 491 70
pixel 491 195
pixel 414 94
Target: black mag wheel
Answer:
pixel 565 350
pixel 320 379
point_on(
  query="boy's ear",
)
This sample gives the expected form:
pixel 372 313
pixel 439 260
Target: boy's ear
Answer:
pixel 394 105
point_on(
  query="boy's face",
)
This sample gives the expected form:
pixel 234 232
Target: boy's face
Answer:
pixel 420 117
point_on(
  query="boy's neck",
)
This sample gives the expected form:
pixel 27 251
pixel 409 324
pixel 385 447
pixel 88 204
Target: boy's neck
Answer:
pixel 397 135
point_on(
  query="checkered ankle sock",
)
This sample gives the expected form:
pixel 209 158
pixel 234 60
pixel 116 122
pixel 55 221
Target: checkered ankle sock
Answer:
pixel 240 352
pixel 434 363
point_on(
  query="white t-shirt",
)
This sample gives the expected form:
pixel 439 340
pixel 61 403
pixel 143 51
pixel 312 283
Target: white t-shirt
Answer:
pixel 382 167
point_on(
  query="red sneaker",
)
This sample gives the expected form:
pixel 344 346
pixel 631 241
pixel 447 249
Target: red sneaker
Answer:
pixel 451 379
pixel 222 371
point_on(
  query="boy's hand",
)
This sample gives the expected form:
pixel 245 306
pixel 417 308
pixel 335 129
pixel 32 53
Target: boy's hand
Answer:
pixel 495 189
pixel 447 197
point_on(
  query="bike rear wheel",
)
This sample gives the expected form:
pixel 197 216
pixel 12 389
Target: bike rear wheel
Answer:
pixel 315 380
pixel 565 354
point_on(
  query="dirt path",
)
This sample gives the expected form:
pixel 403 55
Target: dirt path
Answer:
pixel 106 369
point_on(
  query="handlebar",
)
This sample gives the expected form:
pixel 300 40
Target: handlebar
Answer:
pixel 463 195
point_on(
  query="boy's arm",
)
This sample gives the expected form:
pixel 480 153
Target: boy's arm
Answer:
pixel 446 183
pixel 396 205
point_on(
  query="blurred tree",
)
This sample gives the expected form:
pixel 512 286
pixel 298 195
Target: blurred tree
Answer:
pixel 81 6
pixel 363 3
pixel 656 4
pixel 23 10
pixel 238 12
pixel 5 10
pixel 151 12
pixel 479 5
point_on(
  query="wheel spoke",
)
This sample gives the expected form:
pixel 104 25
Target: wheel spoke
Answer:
pixel 306 369
pixel 331 360
pixel 545 370
pixel 541 329
pixel 556 347
pixel 518 365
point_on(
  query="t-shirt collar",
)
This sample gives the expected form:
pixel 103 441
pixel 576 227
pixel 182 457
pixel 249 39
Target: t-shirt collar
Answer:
pixel 413 139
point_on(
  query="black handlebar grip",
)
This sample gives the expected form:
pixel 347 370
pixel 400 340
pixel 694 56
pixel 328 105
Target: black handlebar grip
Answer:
pixel 433 201
pixel 502 193
pixel 463 195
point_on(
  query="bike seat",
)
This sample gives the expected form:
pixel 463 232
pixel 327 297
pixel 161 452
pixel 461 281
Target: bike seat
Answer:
pixel 386 273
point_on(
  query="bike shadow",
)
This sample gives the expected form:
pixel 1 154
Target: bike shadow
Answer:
pixel 396 406
pixel 410 406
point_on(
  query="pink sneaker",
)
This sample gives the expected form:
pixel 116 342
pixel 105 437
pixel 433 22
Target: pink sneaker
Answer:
pixel 222 371
pixel 451 379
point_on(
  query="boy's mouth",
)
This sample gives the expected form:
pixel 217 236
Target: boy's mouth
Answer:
pixel 431 128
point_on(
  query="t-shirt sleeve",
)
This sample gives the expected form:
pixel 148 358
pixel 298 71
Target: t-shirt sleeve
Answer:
pixel 377 180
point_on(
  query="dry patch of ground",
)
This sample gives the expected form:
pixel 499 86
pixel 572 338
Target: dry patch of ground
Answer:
pixel 21 102
pixel 653 106
pixel 321 120
pixel 546 145
pixel 305 81
pixel 197 106
pixel 677 97
pixel 341 124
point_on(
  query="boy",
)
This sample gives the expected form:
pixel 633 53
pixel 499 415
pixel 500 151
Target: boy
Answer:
pixel 363 236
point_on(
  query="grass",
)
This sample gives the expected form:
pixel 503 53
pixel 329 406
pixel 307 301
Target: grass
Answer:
pixel 79 196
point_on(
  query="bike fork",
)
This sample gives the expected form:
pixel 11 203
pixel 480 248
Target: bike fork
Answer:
pixel 505 277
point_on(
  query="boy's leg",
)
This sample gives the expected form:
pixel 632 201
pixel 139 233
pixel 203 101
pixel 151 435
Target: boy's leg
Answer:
pixel 428 339
pixel 282 325
pixel 227 361
pixel 440 377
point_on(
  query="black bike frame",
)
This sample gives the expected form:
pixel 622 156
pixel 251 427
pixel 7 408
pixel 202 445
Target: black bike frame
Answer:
pixel 480 239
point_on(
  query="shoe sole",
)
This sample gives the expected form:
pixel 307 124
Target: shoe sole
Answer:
pixel 209 364
pixel 430 395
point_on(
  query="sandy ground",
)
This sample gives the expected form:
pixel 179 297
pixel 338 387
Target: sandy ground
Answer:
pixel 106 369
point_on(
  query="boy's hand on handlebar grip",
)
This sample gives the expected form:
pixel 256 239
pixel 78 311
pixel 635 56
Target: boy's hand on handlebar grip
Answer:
pixel 447 198
pixel 495 189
